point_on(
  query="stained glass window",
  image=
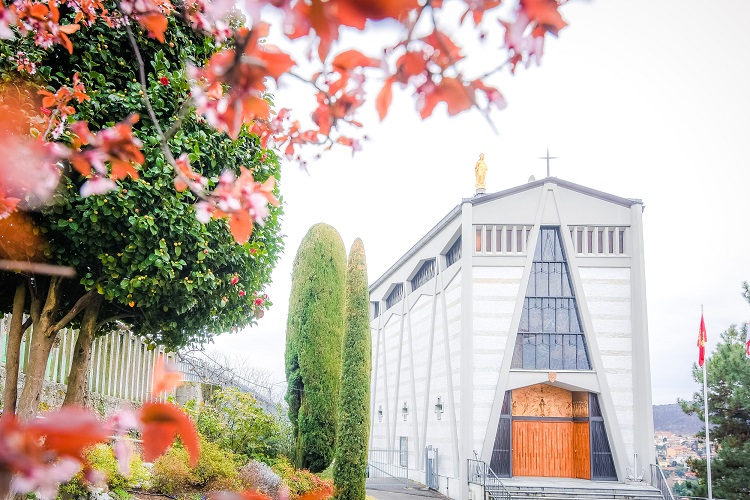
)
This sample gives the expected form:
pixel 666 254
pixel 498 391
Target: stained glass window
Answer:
pixel 550 336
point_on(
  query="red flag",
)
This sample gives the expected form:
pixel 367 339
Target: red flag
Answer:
pixel 701 342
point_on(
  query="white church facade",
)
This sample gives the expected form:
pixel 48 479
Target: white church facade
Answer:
pixel 515 333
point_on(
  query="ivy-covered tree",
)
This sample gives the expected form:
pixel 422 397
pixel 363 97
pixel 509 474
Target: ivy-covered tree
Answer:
pixel 728 370
pixel 140 254
pixel 354 412
pixel 314 332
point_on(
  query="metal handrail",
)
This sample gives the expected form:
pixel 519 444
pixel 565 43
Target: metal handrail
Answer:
pixel 492 486
pixel 659 482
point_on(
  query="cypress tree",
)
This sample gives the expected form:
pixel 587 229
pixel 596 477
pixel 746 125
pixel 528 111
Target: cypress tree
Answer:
pixel 354 413
pixel 315 327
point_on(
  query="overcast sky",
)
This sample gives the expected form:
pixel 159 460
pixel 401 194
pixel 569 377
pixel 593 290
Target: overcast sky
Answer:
pixel 639 98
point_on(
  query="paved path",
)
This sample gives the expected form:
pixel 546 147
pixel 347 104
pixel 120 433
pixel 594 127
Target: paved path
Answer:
pixel 390 489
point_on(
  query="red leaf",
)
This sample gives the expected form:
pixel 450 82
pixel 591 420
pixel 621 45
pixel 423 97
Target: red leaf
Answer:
pixel 374 9
pixel 455 95
pixel 545 13
pixel 241 225
pixel 161 422
pixel 155 24
pixel 277 62
pixel 385 96
pixel 255 108
pixel 410 64
pixel 122 169
pixel 69 431
pixel 351 59
pixel 69 29
pixel 166 377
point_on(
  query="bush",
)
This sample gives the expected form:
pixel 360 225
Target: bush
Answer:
pixel 237 422
pixel 216 470
pixel 299 481
pixel 102 458
pixel 259 476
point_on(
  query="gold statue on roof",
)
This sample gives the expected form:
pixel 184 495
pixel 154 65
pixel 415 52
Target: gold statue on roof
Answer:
pixel 480 170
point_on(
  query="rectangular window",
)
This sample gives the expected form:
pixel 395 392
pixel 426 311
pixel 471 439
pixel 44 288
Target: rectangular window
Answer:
pixel 479 239
pixel 600 240
pixel 498 239
pixel 611 237
pixel 590 240
pixel 579 240
pixel 487 238
pixel 621 234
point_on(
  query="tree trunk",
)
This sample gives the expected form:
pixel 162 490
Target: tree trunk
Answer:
pixel 13 350
pixel 81 364
pixel 41 344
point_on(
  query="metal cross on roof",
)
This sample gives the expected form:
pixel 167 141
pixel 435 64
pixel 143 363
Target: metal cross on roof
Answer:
pixel 548 158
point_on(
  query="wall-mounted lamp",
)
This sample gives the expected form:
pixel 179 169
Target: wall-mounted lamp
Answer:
pixel 405 411
pixel 439 408
pixel 380 413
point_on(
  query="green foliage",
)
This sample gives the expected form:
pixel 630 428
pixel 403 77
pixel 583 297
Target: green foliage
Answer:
pixel 313 350
pixel 141 246
pixel 689 489
pixel 354 417
pixel 101 457
pixel 237 422
pixel 217 469
pixel 728 384
pixel 299 481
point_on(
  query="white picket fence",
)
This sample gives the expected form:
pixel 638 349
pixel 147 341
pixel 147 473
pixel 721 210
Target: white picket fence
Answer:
pixel 121 363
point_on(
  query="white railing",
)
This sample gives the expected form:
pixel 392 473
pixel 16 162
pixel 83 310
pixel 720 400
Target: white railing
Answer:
pixel 121 363
pixel 659 482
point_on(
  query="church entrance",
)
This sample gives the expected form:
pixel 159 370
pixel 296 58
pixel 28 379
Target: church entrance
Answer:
pixel 547 431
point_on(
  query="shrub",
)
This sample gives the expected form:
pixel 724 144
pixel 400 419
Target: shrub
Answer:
pixel 172 473
pixel 299 481
pixel 102 458
pixel 259 476
pixel 216 470
pixel 238 423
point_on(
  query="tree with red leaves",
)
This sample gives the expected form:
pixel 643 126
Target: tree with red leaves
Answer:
pixel 231 93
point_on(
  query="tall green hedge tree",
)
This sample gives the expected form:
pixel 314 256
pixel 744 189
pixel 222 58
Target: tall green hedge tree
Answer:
pixel 315 327
pixel 354 413
pixel 728 370
pixel 139 253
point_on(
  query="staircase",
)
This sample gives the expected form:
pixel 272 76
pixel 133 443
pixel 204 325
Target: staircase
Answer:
pixel 596 491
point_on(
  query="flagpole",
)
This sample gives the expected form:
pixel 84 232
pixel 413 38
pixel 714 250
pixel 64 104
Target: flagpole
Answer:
pixel 705 418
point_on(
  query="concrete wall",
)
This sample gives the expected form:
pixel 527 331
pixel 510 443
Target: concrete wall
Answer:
pixel 495 291
pixel 608 292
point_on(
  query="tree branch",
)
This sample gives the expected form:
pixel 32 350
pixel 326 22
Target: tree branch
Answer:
pixel 81 303
pixel 111 319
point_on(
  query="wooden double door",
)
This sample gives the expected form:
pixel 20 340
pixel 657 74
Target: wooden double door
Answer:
pixel 549 431
pixel 551 448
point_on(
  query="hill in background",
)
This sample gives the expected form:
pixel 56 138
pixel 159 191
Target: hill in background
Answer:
pixel 671 418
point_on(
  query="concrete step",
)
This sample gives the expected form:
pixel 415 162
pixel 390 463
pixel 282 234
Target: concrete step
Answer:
pixel 571 493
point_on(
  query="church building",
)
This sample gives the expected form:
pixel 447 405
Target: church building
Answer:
pixel 515 333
